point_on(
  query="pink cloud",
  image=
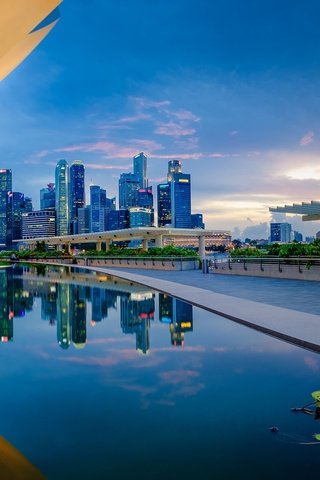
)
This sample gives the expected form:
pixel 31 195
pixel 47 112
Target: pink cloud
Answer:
pixel 112 150
pixel 102 166
pixel 180 156
pixel 173 129
pixel 312 363
pixel 307 139
pixel 174 377
pixel 216 155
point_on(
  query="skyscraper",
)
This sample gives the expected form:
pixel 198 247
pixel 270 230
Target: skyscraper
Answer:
pixel 17 208
pixel 76 193
pixel 97 208
pixel 129 185
pixel 5 220
pixel 140 217
pixel 281 232
pixel 181 200
pixel 140 169
pixel 62 198
pixel 164 204
pixel 174 166
pixel 48 197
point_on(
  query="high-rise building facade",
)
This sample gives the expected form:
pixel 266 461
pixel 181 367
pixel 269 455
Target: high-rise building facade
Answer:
pixel 164 204
pixel 84 220
pixel 5 214
pixel 174 166
pixel 140 169
pixel 280 232
pixel 38 224
pixel 76 193
pixel 62 198
pixel 197 221
pixel 140 217
pixel 48 197
pixel 98 198
pixel 129 185
pixel 118 219
pixel 181 200
pixel 17 208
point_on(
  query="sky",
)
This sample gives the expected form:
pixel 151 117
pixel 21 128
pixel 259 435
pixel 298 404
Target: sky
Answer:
pixel 229 87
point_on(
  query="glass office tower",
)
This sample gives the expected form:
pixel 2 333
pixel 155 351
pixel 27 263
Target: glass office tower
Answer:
pixel 129 185
pixel 97 208
pixel 76 193
pixel 181 200
pixel 140 169
pixel 62 198
pixel 5 217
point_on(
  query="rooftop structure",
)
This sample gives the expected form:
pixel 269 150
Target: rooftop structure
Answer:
pixel 310 211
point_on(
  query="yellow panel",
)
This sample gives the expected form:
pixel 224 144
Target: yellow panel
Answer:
pixel 17 54
pixel 19 17
pixel 13 465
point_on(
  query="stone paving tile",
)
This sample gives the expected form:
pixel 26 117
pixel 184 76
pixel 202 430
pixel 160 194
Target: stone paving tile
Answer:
pixel 297 327
pixel 294 294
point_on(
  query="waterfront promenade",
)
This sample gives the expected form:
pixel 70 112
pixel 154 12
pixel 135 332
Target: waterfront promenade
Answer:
pixel 286 309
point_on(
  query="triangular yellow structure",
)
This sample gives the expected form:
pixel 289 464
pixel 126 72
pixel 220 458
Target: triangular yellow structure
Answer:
pixel 14 466
pixel 18 19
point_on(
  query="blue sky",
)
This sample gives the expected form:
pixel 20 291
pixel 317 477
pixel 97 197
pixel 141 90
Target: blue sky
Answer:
pixel 230 87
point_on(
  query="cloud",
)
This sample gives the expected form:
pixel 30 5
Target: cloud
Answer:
pixel 111 149
pixel 307 139
pixel 174 377
pixel 102 166
pixel 173 129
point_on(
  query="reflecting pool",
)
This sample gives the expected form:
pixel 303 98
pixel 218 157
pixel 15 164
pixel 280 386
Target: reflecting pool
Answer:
pixel 102 378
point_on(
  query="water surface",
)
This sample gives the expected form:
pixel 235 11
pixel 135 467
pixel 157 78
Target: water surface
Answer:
pixel 106 379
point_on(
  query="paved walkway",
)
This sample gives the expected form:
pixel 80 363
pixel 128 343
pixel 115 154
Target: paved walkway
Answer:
pixel 294 294
pixel 299 325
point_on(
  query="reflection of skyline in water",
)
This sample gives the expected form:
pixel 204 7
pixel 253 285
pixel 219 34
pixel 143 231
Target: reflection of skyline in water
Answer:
pixel 70 306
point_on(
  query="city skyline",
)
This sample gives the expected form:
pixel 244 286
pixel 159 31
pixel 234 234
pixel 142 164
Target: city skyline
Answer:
pixel 239 109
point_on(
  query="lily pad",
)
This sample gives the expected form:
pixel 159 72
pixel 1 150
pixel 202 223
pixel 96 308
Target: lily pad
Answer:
pixel 316 395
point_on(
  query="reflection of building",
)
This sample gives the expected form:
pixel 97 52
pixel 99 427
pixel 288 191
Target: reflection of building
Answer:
pixel 99 307
pixel 78 313
pixel 63 315
pixel 178 314
pixel 6 306
pixel 136 311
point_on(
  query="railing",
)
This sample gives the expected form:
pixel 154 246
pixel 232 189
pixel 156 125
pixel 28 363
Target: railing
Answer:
pixel 301 263
pixel 172 263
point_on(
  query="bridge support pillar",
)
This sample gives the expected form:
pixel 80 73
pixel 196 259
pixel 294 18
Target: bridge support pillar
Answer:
pixel 108 245
pixel 59 248
pixel 159 241
pixel 67 248
pixel 145 246
pixel 202 246
pixel 99 246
